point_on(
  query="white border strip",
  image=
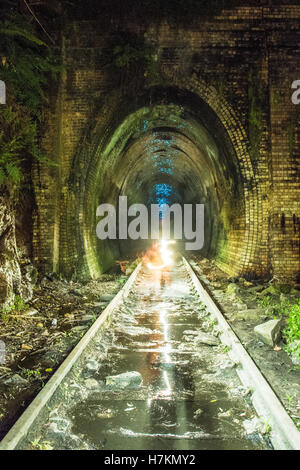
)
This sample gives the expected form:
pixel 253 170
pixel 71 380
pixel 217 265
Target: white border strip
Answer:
pixel 284 434
pixel 27 419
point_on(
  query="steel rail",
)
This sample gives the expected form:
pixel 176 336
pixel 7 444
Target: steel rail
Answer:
pixel 284 434
pixel 21 428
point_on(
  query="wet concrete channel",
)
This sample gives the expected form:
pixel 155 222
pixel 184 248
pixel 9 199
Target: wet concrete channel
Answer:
pixel 180 389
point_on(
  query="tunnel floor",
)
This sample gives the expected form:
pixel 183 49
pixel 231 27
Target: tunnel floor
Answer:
pixel 190 397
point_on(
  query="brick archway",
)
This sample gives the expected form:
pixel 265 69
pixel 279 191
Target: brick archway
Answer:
pixel 238 136
pixel 243 243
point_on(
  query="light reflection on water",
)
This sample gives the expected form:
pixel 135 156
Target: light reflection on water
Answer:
pixel 161 415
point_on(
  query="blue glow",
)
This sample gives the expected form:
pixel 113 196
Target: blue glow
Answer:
pixel 164 193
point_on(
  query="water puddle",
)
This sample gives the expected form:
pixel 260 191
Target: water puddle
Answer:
pixel 184 401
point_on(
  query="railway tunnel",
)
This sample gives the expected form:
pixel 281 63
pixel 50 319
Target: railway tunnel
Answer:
pixel 173 153
pixel 173 146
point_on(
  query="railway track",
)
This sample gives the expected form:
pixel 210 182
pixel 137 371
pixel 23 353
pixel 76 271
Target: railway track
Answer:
pixel 159 369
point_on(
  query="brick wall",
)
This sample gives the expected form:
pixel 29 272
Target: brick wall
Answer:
pixel 213 59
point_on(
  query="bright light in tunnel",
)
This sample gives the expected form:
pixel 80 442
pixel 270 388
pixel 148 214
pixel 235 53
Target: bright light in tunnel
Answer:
pixel 166 255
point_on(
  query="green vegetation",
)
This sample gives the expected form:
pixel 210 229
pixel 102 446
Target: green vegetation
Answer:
pixel 267 429
pixel 132 61
pixel 275 308
pixel 18 139
pixel 34 374
pixel 26 66
pixel 292 331
pixel 290 311
pixel 289 398
pixel 44 445
pixel 8 313
pixel 224 348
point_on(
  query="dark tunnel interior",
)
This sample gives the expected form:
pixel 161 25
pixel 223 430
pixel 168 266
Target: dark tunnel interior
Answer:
pixel 171 150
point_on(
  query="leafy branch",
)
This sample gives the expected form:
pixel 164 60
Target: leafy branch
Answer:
pixel 27 65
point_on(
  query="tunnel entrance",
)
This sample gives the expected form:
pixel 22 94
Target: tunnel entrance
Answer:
pixel 170 147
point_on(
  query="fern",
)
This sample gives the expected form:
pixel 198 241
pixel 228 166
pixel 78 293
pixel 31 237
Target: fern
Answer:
pixel 26 66
pixel 13 172
pixel 7 28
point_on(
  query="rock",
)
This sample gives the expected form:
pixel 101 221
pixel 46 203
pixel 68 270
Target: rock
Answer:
pixel 250 314
pixel 225 414
pixel 209 340
pixel 72 441
pixel 295 292
pixel 128 380
pixel 92 384
pixel 87 318
pixel 255 289
pixel 198 413
pixel 75 389
pixel 106 297
pixel 78 329
pixel 269 291
pixel 234 294
pixel 227 365
pixel 105 414
pixel 240 391
pixel 76 292
pixel 217 285
pixel 253 426
pixel 30 312
pixel 239 305
pixel 269 332
pixel 16 380
pixel 91 366
pixel 53 414
pixel 99 304
pixel 58 426
pixel 191 332
pixel 277 289
pixel 135 330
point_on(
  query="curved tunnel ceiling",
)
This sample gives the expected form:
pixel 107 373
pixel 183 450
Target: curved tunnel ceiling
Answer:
pixel 176 151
